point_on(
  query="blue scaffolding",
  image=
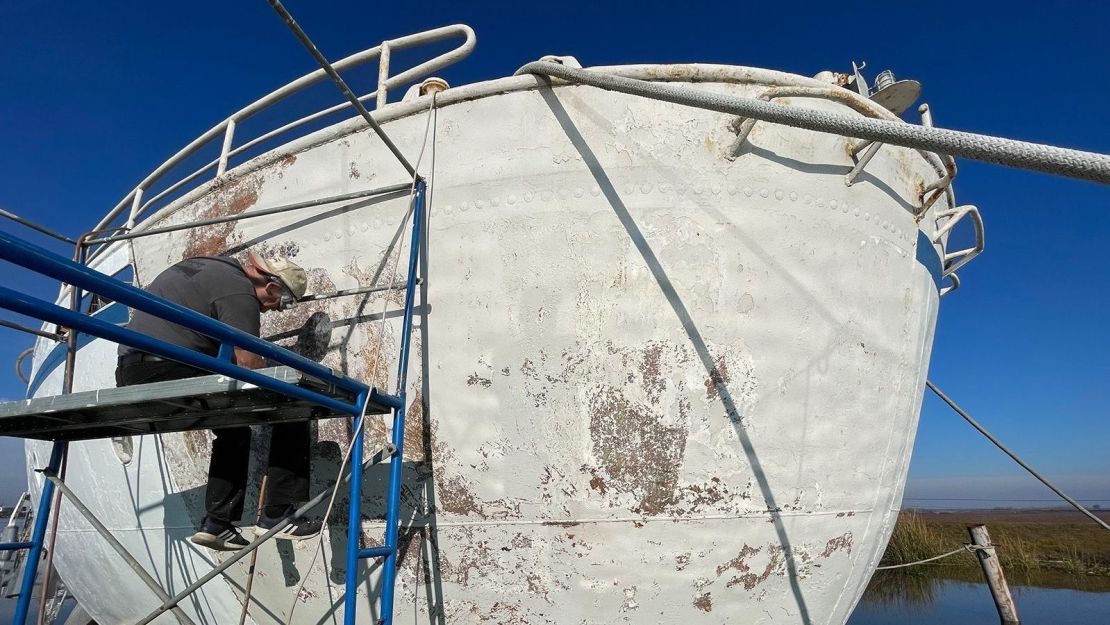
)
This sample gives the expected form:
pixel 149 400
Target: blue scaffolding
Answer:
pixel 335 393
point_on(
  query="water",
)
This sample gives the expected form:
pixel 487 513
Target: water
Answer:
pixel 903 600
pixel 936 601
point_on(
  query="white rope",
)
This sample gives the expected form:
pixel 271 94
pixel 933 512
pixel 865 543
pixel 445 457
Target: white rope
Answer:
pixel 1022 154
pixel 359 423
pixel 968 548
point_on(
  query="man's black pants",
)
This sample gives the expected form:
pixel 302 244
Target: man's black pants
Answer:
pixel 287 478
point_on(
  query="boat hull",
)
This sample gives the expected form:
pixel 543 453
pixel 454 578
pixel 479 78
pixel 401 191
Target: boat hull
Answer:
pixel 649 382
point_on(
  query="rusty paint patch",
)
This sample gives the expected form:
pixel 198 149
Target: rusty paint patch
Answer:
pixel 746 577
pixel 839 543
pixel 455 496
pixel 562 524
pixel 354 172
pixel 196 441
pixel 226 201
pixel 635 449
pixel 681 561
pixel 717 377
pixel 477 379
pixel 598 484
pixel 704 602
pixel 652 372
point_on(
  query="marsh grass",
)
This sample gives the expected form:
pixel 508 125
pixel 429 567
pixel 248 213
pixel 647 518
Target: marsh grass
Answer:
pixel 1025 545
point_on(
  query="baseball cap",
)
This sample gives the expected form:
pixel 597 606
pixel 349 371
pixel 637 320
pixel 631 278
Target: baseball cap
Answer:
pixel 289 273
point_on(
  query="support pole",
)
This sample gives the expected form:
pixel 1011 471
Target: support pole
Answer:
pixel 396 468
pixel 992 571
pixel 38 535
pixel 354 520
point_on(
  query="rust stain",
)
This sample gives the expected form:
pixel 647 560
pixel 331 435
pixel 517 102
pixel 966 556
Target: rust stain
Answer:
pixel 653 379
pixel 717 377
pixel 354 172
pixel 598 484
pixel 704 602
pixel 456 497
pixel 746 577
pixel 562 523
pixel 196 441
pixel 477 379
pixel 839 543
pixel 226 201
pixel 288 160
pixel 635 449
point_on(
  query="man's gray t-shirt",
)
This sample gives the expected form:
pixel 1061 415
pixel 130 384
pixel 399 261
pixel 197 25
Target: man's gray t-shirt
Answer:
pixel 213 286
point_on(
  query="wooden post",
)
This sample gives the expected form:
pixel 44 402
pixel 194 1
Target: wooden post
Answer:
pixel 992 570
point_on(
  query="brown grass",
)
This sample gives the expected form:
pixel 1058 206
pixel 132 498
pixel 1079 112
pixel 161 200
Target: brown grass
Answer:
pixel 1027 541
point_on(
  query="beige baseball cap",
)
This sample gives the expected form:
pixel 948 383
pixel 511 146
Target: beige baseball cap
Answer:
pixel 290 273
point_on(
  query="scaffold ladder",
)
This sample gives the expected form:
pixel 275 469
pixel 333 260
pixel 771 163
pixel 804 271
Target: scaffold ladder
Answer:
pixel 299 389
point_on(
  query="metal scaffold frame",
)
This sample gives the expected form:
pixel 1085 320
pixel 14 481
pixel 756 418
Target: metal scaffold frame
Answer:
pixel 335 394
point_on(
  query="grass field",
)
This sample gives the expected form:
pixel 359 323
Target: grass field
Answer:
pixel 1045 547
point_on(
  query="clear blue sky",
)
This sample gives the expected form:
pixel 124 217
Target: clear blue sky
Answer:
pixel 97 94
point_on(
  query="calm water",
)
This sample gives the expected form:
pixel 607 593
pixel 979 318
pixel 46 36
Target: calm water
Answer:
pixel 933 601
pixel 944 602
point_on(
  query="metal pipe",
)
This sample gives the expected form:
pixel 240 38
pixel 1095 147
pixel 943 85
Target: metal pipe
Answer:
pixel 75 295
pixel 1024 155
pixel 229 137
pixel 383 76
pixel 392 521
pixel 997 443
pixel 38 534
pixel 55 512
pixel 393 188
pixel 430 36
pixel 359 291
pixel 257 542
pixel 15 546
pixel 136 206
pixel 375 552
pixel 47 263
pixel 354 524
pixel 850 177
pixel 992 571
pixel 36 227
pixel 23 497
pixel 254 554
pixel 120 550
pixel 43 334
pixel 339 82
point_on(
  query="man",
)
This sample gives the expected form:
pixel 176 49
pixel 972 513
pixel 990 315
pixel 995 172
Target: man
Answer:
pixel 235 294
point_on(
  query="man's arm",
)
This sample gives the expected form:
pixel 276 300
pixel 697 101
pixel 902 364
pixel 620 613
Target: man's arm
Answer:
pixel 250 360
pixel 241 311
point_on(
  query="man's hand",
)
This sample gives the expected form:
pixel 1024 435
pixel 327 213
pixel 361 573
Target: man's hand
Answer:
pixel 249 360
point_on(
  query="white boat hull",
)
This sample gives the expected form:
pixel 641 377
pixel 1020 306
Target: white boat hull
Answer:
pixel 650 383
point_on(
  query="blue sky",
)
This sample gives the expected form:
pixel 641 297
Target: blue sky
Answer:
pixel 95 95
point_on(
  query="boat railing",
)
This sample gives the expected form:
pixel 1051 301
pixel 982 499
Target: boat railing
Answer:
pixel 136 204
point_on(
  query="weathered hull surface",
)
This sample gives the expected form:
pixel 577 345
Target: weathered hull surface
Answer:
pixel 650 384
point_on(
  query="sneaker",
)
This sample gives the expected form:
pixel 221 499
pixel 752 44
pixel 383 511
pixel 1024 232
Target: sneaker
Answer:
pixel 219 536
pixel 298 528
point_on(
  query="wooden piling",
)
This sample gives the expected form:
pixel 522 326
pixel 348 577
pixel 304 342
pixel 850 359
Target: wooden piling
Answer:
pixel 992 570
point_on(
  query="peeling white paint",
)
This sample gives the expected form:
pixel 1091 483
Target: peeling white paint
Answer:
pixel 657 382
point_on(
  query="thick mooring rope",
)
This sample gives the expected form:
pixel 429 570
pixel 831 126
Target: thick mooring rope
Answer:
pixel 1021 154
